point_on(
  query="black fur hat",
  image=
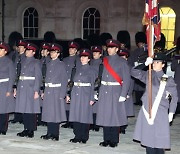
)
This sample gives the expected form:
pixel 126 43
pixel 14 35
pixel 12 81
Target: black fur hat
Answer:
pixel 140 37
pixel 123 36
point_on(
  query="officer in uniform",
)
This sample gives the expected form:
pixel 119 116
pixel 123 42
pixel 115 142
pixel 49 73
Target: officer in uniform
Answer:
pixel 7 76
pixel 134 60
pixel 72 63
pixel 82 99
pixel 153 132
pixel 27 94
pixel 19 59
pixel 111 113
pixel 53 111
pixel 95 63
pixel 45 59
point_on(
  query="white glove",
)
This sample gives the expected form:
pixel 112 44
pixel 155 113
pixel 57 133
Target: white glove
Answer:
pixel 149 61
pixel 122 99
pixel 170 116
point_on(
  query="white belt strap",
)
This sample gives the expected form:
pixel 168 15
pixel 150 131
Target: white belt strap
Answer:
pixel 110 83
pixel 26 78
pixel 80 84
pixel 52 85
pixel 156 102
pixel 4 80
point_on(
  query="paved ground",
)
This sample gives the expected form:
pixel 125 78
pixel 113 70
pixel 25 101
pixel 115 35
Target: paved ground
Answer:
pixel 11 144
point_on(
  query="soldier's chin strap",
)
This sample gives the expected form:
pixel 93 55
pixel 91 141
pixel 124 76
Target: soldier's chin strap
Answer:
pixel 156 101
pixel 112 71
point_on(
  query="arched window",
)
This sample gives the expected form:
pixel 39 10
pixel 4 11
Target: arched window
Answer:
pixel 30 23
pixel 168 19
pixel 91 22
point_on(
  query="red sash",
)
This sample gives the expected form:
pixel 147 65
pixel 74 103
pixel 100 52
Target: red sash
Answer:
pixel 111 71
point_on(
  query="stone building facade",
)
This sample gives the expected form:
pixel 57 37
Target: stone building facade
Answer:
pixel 64 17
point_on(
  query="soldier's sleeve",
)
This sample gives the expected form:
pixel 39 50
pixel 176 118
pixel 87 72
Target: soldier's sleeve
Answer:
pixel 64 81
pixel 126 80
pixel 11 76
pixel 172 89
pixel 131 87
pixel 93 78
pixel 139 74
pixel 38 76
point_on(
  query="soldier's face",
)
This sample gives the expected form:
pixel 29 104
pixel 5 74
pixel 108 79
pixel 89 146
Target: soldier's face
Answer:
pixel 84 60
pixel 2 52
pixel 157 66
pixel 21 49
pixel 72 51
pixel 29 53
pixel 96 55
pixel 54 55
pixel 112 50
pixel 44 52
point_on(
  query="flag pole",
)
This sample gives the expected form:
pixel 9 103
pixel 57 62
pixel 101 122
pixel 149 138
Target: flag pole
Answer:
pixel 150 54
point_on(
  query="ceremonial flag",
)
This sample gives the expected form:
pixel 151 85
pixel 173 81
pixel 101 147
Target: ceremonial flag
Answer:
pixel 152 18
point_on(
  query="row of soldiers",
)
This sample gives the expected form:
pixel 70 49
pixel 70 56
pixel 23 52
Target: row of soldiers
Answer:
pixel 114 94
pixel 55 91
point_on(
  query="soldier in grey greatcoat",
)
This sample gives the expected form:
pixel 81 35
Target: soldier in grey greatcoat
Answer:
pixel 129 103
pixel 27 94
pixel 175 66
pixel 18 59
pixel 95 63
pixel 82 99
pixel 7 76
pixel 53 109
pixel 154 132
pixel 111 113
pixel 72 63
pixel 45 59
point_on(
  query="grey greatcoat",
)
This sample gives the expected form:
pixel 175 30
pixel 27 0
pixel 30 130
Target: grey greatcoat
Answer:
pixel 129 103
pixel 25 102
pixel 95 64
pixel 175 66
pixel 110 111
pixel 70 62
pixel 80 108
pixel 7 71
pixel 156 135
pixel 53 109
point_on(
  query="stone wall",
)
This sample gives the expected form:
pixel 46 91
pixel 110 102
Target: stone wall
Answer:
pixel 64 17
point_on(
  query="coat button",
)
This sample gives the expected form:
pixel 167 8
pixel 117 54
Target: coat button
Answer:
pixel 21 86
pixel 106 92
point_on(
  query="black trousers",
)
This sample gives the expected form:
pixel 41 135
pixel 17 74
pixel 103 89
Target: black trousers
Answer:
pixel 4 122
pixel 178 108
pixel 30 121
pixel 94 120
pixel 18 117
pixel 81 131
pixel 150 150
pixel 111 134
pixel 53 128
